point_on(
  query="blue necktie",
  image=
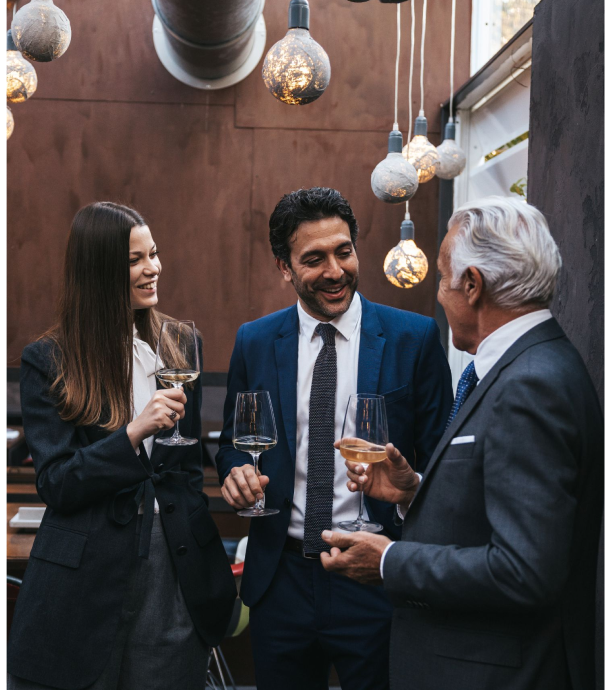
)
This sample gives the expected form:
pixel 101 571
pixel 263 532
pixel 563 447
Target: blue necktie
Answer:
pixel 320 466
pixel 466 386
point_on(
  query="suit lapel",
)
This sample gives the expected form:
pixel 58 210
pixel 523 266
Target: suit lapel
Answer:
pixel 549 330
pixel 286 358
pixel 371 347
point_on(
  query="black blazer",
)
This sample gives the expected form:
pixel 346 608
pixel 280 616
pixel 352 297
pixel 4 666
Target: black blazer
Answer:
pixel 494 580
pixel 69 607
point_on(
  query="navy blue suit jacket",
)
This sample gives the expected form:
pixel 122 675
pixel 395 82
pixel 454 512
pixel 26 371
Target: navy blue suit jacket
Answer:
pixel 400 357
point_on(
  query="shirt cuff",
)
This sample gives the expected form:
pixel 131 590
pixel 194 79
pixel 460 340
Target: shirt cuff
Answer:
pixel 384 553
pixel 401 511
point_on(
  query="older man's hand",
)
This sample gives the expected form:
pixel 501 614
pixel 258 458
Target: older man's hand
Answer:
pixel 356 555
pixel 392 480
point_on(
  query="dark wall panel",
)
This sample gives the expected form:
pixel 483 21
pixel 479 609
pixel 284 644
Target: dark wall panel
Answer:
pixel 207 168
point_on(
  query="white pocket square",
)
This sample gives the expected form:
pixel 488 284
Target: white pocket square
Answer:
pixel 462 439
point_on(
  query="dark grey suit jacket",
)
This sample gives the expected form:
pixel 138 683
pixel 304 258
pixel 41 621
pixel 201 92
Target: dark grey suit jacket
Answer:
pixel 494 579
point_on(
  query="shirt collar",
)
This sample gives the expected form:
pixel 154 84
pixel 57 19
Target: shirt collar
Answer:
pixel 497 343
pixel 345 324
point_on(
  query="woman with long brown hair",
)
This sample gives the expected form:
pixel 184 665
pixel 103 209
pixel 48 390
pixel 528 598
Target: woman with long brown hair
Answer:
pixel 128 584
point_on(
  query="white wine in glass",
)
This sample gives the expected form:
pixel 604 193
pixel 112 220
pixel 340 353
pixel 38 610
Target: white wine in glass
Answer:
pixel 177 363
pixel 365 435
pixel 254 432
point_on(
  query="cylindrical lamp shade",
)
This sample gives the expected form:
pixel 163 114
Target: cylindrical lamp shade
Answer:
pixel 394 180
pixel 10 123
pixel 41 31
pixel 406 264
pixel 297 69
pixel 21 77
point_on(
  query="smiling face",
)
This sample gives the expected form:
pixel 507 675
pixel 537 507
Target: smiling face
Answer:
pixel 324 268
pixel 145 268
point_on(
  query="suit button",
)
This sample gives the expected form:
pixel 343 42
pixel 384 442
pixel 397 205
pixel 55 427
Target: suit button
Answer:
pixel 287 502
pixel 169 508
pixel 181 551
pixel 160 467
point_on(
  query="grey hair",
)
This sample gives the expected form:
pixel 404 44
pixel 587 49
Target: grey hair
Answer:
pixel 509 243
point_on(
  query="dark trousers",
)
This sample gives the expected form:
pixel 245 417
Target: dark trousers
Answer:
pixel 309 619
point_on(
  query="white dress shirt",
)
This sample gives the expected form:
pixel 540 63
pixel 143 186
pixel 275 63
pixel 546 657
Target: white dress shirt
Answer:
pixel 345 504
pixel 488 353
pixel 143 387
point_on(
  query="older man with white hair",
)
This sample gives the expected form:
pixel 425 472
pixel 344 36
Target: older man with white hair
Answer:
pixel 494 577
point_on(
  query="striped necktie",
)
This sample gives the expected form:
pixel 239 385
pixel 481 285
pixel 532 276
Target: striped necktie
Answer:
pixel 320 465
pixel 466 386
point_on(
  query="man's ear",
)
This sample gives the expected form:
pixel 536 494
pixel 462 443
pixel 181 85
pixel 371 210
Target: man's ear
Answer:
pixel 284 269
pixel 473 285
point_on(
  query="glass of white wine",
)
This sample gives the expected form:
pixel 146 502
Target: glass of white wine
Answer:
pixel 177 363
pixel 365 434
pixel 254 432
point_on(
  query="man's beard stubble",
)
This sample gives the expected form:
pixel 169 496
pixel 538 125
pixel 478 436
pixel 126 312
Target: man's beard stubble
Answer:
pixel 319 307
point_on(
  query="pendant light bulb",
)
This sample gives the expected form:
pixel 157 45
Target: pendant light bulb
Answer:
pixel 452 160
pixel 296 69
pixel 10 123
pixel 394 179
pixel 21 77
pixel 420 152
pixel 406 264
pixel 41 31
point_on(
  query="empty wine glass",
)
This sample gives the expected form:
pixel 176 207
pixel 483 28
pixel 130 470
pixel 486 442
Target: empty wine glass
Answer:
pixel 254 432
pixel 364 437
pixel 177 363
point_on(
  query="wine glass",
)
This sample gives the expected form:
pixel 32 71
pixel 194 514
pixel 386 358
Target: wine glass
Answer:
pixel 177 362
pixel 254 432
pixel 364 437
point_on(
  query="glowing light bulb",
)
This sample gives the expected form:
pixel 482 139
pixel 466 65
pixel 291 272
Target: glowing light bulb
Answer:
pixel 10 123
pixel 296 69
pixel 41 31
pixel 21 77
pixel 452 160
pixel 394 179
pixel 406 264
pixel 420 152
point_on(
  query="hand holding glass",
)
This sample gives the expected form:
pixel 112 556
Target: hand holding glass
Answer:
pixel 254 432
pixel 177 362
pixel 364 437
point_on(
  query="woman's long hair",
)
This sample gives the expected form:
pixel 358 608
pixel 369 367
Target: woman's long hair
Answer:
pixel 93 335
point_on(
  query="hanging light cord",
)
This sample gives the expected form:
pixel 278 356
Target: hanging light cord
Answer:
pixel 453 40
pixel 422 58
pixel 395 123
pixel 411 76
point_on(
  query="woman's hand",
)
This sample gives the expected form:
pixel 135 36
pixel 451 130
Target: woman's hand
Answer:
pixel 392 480
pixel 161 412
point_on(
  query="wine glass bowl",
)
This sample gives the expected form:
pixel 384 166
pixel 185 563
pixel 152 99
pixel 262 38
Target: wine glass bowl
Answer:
pixel 364 438
pixel 177 364
pixel 254 432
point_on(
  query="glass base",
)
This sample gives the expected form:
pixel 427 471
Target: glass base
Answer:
pixel 360 526
pixel 176 441
pixel 257 512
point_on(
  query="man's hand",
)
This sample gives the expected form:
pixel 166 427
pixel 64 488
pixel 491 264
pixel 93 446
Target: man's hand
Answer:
pixel 355 555
pixel 243 487
pixel 391 480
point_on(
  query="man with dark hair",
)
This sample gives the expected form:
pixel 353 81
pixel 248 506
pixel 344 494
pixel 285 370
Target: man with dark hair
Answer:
pixel 311 357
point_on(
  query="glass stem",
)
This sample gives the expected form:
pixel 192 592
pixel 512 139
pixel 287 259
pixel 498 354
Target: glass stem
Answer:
pixel 360 516
pixel 177 433
pixel 260 502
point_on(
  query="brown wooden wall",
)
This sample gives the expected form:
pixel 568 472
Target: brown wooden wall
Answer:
pixel 207 168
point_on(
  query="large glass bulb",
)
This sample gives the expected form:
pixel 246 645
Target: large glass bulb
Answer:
pixel 451 157
pixel 406 264
pixel 41 31
pixel 394 179
pixel 21 77
pixel 297 69
pixel 10 123
pixel 420 152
